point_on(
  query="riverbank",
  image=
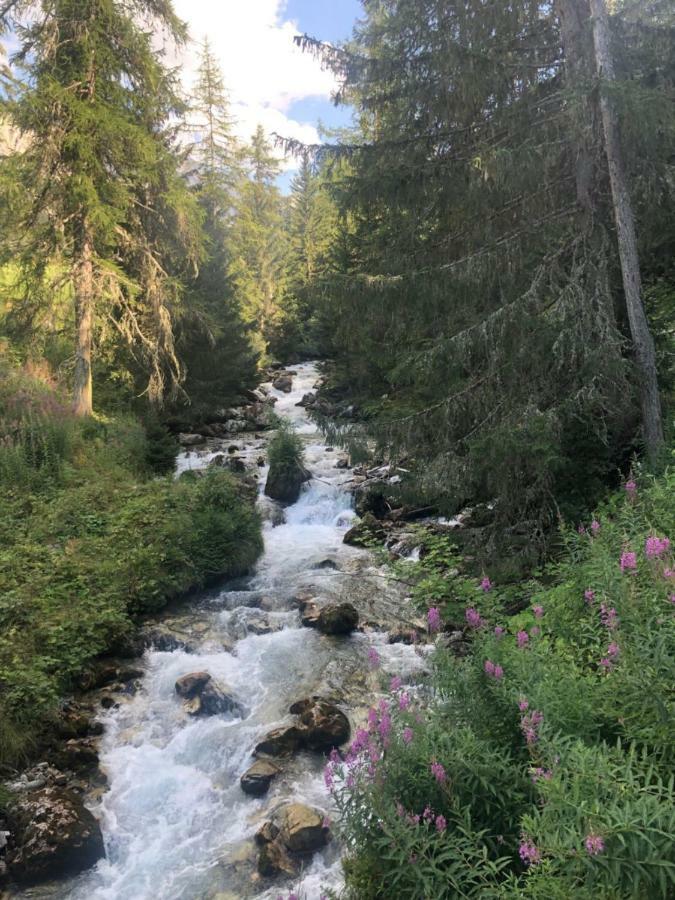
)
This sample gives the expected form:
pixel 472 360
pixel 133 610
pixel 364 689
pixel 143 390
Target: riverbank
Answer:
pixel 91 542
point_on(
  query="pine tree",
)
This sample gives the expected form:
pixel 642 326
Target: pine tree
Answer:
pixel 259 243
pixel 93 102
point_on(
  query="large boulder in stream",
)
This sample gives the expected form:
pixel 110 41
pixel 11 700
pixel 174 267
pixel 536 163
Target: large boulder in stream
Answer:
pixel 256 781
pixel 285 481
pixel 281 742
pixel 283 383
pixel 202 696
pixel 302 829
pixel 337 618
pixel 52 834
pixel 365 533
pixel 325 726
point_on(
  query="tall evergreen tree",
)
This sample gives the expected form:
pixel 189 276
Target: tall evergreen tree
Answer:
pixel 94 99
pixel 481 293
pixel 259 243
pixel 212 336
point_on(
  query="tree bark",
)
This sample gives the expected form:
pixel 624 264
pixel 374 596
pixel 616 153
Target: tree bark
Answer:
pixel 84 316
pixel 577 41
pixel 643 342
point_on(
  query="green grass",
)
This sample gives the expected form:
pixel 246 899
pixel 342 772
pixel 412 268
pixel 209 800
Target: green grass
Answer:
pixel 89 542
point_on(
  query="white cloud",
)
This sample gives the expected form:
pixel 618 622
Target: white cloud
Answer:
pixel 263 70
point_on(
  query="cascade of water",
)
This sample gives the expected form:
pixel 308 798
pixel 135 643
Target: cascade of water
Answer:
pixel 176 823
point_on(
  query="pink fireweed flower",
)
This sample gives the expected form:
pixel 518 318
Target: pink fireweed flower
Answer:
pixel 486 585
pixel 373 658
pixel 522 638
pixel 606 664
pixel 528 852
pixel 595 526
pixel 608 617
pixel 631 488
pixel 656 547
pixel 489 667
pixel 529 725
pixel 473 618
pixel 523 705
pixel 434 619
pixel 372 718
pixel 581 529
pixel 628 562
pixel 404 701
pixel 428 815
pixel 499 672
pixel 328 777
pixel 499 631
pixel 594 844
pixel 668 573
pixel 589 596
pixel 438 772
pixel 441 824
pixel 385 727
pixel 408 735
pixel 326 822
pixel 672 598
pixel 538 611
pixel 540 774
pixel 535 632
pixel 613 650
pixel 395 683
pixel 400 809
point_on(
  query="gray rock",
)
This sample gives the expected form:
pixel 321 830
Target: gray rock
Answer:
pixel 341 618
pixel 324 725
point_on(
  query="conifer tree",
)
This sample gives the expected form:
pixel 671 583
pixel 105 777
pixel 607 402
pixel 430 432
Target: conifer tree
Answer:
pixel 99 166
pixel 480 295
pixel 259 243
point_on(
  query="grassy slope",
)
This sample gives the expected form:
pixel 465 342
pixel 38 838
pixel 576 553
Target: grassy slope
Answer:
pixel 89 541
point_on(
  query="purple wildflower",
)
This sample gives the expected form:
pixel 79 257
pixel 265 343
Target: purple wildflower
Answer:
pixel 594 844
pixel 528 851
pixel 441 824
pixel 608 617
pixel 404 701
pixel 523 705
pixel 489 667
pixel 535 632
pixel 631 487
pixel 589 596
pixel 606 663
pixel 656 547
pixel 395 683
pixel 581 529
pixel 628 562
pixel 408 735
pixel 529 725
pixel 385 727
pixel 595 526
pixel 434 619
pixel 499 631
pixel 613 650
pixel 540 774
pixel 428 815
pixel 499 672
pixel 538 611
pixel 522 638
pixel 373 658
pixel 438 772
pixel 486 585
pixel 473 618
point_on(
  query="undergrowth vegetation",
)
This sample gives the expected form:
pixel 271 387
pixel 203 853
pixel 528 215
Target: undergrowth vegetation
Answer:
pixel 89 541
pixel 540 762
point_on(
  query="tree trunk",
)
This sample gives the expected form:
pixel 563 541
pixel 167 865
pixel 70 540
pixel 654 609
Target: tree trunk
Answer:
pixel 627 241
pixel 575 29
pixel 84 315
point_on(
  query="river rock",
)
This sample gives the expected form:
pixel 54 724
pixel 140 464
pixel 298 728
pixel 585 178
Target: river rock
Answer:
pixel 283 383
pixel 202 696
pixel 365 532
pixel 190 440
pixel 256 781
pixel 325 726
pixel 284 482
pixel 301 829
pixel 52 835
pixel 267 833
pixel 281 742
pixel 275 860
pixel 404 636
pixel 337 618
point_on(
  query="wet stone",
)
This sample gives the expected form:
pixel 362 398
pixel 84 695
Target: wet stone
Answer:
pixel 281 742
pixel 256 781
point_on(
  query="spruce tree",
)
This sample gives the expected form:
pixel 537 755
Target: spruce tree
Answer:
pixel 481 293
pixel 93 101
pixel 259 243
